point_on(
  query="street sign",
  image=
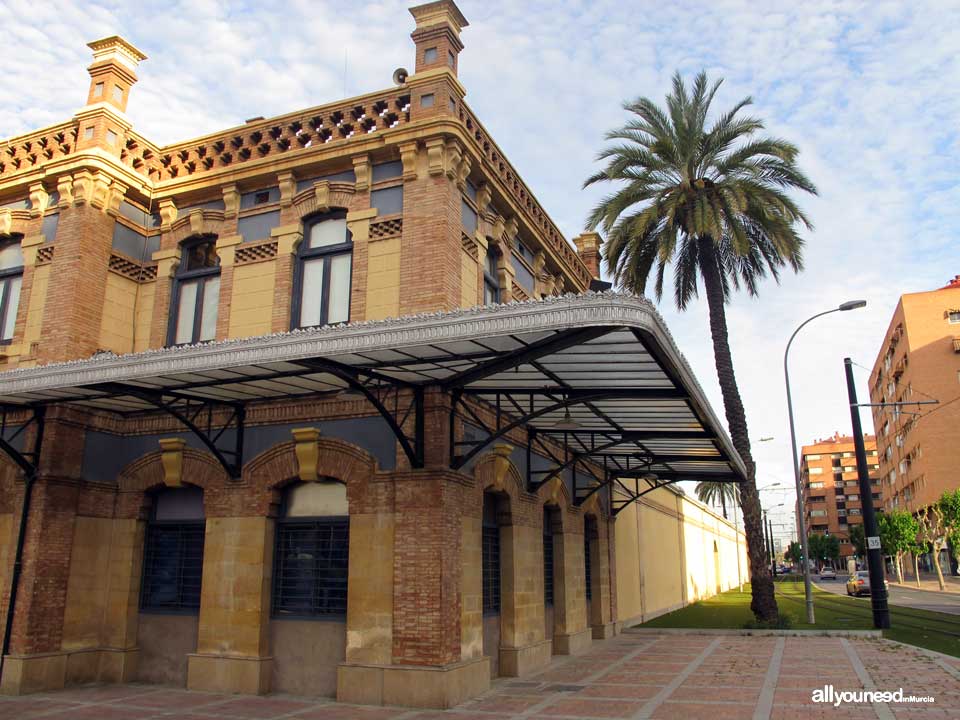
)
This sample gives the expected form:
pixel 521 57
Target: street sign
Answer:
pixel 873 543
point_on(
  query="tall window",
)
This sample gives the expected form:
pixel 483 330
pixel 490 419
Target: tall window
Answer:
pixel 491 278
pixel 589 528
pixel 312 552
pixel 193 312
pixel 11 278
pixel 173 552
pixel 490 557
pixel 322 279
pixel 547 558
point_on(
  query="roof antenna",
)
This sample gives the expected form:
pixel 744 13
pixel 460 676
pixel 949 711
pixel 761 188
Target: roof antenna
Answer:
pixel 344 72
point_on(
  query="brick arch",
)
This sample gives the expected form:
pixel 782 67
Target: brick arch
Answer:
pixel 323 197
pixel 196 223
pixel 554 494
pixel 146 473
pixel 495 472
pixel 267 473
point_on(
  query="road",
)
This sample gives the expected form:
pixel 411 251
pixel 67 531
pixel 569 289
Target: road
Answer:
pixel 902 596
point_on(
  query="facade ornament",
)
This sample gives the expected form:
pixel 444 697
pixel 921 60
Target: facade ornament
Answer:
pixel 231 200
pixel 484 196
pixel 510 230
pixel 361 169
pixel 501 465
pixel 171 458
pixel 454 157
pixel 101 191
pixel 65 190
pixel 117 192
pixel 6 221
pixel 168 214
pixel 408 157
pixel 435 156
pixel 307 450
pixel 288 188
pixel 38 199
pixel 82 187
pixel 463 171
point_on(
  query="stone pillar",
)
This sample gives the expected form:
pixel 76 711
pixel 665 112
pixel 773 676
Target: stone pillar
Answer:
pixel 233 637
pixel 602 604
pixel 523 647
pixel 358 223
pixel 226 249
pixel 36 661
pixel 571 636
pixel 424 667
pixel 167 262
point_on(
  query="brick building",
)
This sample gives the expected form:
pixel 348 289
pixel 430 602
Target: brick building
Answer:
pixel 252 439
pixel 919 359
pixel 831 489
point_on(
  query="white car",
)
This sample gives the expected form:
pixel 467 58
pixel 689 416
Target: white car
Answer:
pixel 828 573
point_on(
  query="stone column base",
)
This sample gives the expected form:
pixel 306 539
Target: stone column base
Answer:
pixel 518 662
pixel 573 643
pixel 604 632
pixel 413 686
pixel 23 674
pixel 229 673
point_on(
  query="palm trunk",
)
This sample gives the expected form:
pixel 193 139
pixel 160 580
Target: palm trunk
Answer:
pixel 763 603
pixel 723 503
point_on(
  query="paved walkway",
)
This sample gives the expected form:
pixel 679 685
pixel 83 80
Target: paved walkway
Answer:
pixel 632 676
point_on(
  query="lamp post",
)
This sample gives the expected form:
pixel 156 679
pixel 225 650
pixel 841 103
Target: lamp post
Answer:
pixel 769 534
pixel 801 521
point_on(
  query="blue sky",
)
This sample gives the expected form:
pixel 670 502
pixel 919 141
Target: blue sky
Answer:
pixel 867 90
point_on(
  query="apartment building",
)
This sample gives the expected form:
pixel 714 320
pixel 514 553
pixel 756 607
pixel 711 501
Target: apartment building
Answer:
pixel 919 359
pixel 831 488
pixel 321 404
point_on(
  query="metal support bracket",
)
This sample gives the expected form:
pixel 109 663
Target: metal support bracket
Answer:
pixel 28 461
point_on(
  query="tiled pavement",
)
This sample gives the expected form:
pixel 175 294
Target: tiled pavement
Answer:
pixel 632 676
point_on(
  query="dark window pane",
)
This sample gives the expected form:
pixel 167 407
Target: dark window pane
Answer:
pixel 346 176
pixel 386 171
pixel 211 205
pixel 388 201
pixel 257 197
pixel 548 569
pixel 200 255
pixel 257 227
pixel 491 569
pixel 586 566
pixel 49 228
pixel 469 217
pixel 311 567
pixel 172 566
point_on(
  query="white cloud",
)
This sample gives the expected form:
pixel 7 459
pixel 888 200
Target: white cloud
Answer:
pixel 866 89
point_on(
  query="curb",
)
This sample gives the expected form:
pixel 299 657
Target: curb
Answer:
pixel 757 632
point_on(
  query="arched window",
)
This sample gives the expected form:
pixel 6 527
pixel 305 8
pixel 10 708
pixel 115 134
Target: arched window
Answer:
pixel 491 278
pixel 196 294
pixel 311 564
pixel 321 283
pixel 173 552
pixel 11 278
pixel 548 556
pixel 490 556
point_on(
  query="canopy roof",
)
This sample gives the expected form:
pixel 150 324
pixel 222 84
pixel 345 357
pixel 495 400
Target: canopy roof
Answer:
pixel 598 372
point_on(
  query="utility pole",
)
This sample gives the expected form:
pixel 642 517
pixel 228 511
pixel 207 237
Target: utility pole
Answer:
pixel 773 549
pixel 878 588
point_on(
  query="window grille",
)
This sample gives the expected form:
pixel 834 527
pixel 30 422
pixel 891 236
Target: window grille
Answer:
pixel 172 567
pixel 586 567
pixel 491 570
pixel 311 567
pixel 548 569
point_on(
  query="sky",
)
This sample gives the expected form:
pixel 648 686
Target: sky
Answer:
pixel 868 90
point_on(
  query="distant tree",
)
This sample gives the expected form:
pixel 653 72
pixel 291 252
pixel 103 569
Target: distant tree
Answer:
pixel 831 549
pixel 949 504
pixel 711 491
pixel 715 200
pixel 794 553
pixel 898 534
pixel 815 548
pixel 932 532
pixel 858 541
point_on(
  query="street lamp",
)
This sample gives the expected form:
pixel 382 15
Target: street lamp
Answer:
pixel 801 522
pixel 769 534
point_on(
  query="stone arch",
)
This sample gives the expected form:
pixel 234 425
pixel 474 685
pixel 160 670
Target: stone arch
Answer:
pixel 197 223
pixel 146 473
pixel 554 494
pixel 267 473
pixel 323 197
pixel 495 472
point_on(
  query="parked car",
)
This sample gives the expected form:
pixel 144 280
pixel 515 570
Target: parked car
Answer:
pixel 828 573
pixel 859 583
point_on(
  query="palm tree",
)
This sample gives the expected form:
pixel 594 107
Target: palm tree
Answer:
pixel 710 492
pixel 714 202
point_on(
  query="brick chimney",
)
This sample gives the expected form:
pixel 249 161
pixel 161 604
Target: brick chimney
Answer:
pixel 955 283
pixel 113 71
pixel 588 248
pixel 103 121
pixel 437 35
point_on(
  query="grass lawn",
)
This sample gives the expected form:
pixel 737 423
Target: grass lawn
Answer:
pixel 932 630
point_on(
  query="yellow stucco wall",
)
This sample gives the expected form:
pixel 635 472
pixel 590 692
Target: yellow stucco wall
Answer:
pixel 383 279
pixel 144 315
pixel 469 292
pixel 116 328
pixel 665 555
pixel 38 299
pixel 251 308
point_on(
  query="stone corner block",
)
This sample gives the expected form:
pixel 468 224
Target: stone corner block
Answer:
pixel 438 687
pixel 225 674
pixel 522 661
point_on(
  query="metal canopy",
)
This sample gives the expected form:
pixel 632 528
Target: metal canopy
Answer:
pixel 596 373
